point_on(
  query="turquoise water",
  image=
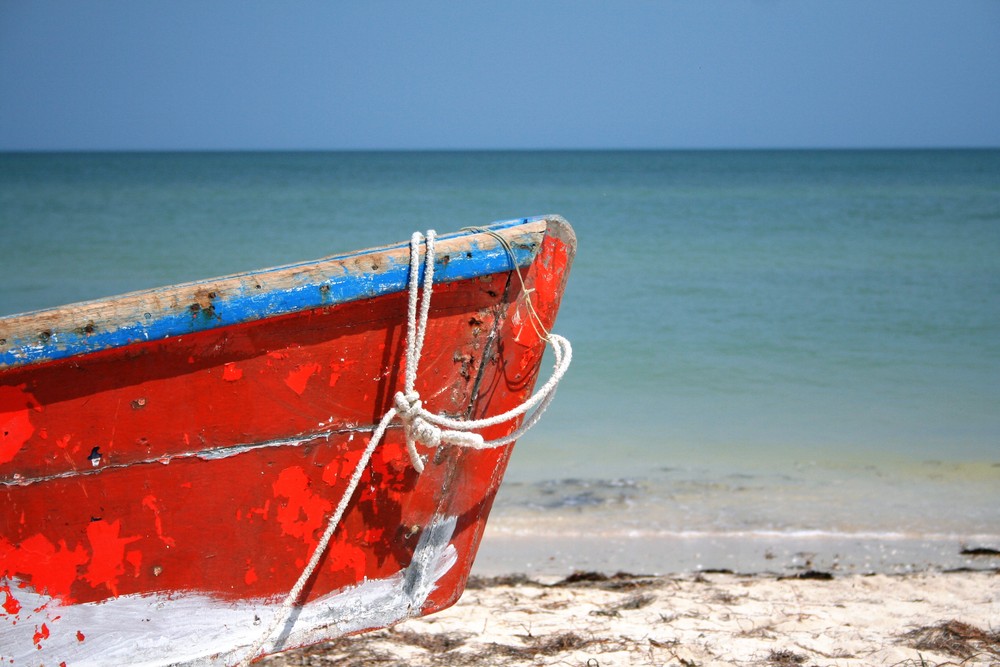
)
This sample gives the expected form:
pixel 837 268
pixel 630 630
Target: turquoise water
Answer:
pixel 748 313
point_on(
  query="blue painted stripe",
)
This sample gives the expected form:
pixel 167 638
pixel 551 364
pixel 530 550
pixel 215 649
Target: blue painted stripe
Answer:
pixel 248 306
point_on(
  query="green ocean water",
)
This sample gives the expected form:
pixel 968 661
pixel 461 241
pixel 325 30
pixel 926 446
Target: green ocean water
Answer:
pixel 732 313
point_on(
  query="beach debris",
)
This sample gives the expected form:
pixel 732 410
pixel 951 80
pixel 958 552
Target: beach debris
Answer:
pixel 785 658
pixel 617 581
pixel 478 582
pixel 979 551
pixel 752 620
pixel 955 638
pixel 434 642
pixel 551 644
pixel 630 603
pixel 815 575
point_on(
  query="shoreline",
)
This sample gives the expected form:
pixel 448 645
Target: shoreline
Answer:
pixel 846 518
pixel 589 618
pixel 746 552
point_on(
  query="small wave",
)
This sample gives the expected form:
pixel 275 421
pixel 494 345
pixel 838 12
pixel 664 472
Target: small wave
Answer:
pixel 592 532
pixel 571 493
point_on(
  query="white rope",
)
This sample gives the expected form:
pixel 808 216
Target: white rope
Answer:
pixel 419 424
pixel 416 425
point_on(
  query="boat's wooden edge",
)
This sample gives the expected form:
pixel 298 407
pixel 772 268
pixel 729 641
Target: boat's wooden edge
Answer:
pixel 206 304
pixel 558 227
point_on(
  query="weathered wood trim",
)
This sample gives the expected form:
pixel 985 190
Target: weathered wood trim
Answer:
pixel 176 310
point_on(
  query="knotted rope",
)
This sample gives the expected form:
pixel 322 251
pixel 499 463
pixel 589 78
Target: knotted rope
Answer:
pixel 418 423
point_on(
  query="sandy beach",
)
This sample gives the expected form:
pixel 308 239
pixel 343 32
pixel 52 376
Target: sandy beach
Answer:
pixel 820 568
pixel 592 619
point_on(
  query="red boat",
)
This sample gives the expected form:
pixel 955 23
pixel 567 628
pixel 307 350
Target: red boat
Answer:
pixel 211 472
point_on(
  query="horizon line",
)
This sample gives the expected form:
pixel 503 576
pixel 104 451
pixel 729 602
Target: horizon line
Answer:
pixel 715 149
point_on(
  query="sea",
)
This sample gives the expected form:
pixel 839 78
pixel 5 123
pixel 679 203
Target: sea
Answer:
pixel 784 361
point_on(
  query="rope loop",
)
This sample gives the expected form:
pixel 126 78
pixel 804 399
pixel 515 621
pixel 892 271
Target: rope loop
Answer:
pixel 419 424
pixel 408 405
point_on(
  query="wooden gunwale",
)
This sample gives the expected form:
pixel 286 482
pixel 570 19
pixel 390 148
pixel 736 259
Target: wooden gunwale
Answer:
pixel 90 326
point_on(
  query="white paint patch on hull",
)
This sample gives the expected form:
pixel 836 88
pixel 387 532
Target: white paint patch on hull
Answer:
pixel 164 629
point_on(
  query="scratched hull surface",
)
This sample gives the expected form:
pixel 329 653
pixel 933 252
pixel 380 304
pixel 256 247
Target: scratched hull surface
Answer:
pixel 169 458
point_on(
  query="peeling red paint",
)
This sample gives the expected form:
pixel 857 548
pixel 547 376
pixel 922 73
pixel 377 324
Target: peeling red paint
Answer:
pixel 50 568
pixel 15 424
pixel 341 467
pixel 80 636
pixel 305 510
pixel 262 512
pixel 149 502
pixel 10 603
pixel 231 372
pixel 297 378
pixel 338 367
pixel 350 560
pixel 250 577
pixel 40 634
pixel 107 563
pixel 134 558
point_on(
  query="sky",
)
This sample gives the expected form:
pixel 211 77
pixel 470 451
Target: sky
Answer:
pixel 517 74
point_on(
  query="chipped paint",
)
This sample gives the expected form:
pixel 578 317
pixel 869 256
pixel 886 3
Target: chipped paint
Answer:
pixel 301 510
pixel 231 372
pixel 150 503
pixel 38 559
pixel 299 376
pixel 190 627
pixel 107 562
pixel 10 603
pixel 16 428
pixel 338 367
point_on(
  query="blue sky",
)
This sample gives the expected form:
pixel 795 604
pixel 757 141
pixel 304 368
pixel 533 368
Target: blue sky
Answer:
pixel 237 74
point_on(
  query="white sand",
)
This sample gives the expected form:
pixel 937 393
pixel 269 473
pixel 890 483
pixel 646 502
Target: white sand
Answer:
pixel 712 619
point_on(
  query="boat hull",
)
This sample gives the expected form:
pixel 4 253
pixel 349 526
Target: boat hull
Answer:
pixel 162 492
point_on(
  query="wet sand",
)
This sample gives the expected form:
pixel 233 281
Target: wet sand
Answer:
pixel 591 619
